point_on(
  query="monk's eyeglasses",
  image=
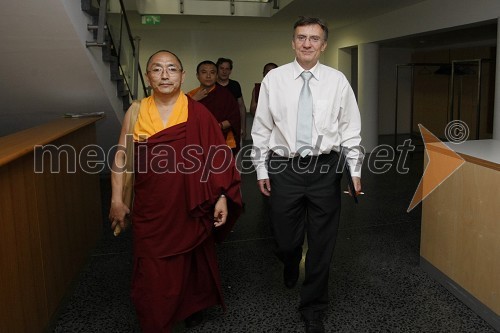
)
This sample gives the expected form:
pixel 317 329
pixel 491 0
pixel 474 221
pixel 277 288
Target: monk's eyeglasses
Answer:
pixel 158 71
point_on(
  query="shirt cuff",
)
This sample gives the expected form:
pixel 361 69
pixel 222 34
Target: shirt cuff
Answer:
pixel 354 168
pixel 262 173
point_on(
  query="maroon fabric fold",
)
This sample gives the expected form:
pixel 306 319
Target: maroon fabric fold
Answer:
pixel 222 104
pixel 188 159
pixel 218 174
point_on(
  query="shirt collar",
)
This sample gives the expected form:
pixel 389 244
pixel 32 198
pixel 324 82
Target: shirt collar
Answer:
pixel 297 70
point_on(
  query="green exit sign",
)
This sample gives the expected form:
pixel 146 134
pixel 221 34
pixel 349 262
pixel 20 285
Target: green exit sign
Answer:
pixel 150 19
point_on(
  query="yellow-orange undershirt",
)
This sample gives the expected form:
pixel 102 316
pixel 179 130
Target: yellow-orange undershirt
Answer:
pixel 230 140
pixel 195 90
pixel 149 121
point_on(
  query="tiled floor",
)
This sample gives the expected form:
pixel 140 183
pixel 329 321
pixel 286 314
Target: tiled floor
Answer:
pixel 376 283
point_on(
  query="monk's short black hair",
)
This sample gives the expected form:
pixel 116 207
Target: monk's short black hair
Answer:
pixel 205 62
pixel 160 51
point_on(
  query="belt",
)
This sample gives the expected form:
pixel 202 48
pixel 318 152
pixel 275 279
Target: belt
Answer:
pixel 306 158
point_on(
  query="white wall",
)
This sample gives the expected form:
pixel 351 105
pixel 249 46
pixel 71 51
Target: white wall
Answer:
pixel 422 17
pixel 94 54
pixel 249 48
pixel 45 69
pixel 104 91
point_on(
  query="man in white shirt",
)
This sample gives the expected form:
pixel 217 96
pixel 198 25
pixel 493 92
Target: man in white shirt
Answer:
pixel 296 156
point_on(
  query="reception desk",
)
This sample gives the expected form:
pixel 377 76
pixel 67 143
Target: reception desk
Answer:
pixel 49 220
pixel 460 237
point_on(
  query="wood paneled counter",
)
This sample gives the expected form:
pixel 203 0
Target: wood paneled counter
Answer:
pixel 49 219
pixel 460 240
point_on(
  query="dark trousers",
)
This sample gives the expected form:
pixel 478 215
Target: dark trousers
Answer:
pixel 305 199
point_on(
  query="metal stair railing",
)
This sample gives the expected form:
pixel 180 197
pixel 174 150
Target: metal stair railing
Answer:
pixel 111 31
pixel 100 27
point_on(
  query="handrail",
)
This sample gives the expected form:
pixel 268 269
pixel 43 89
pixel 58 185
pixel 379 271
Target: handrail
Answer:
pixel 134 54
pixel 127 25
pixel 122 44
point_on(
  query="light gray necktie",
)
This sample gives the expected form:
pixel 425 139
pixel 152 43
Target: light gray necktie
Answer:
pixel 304 116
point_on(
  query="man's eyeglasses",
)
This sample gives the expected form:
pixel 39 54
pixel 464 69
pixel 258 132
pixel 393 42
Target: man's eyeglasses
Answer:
pixel 312 39
pixel 158 71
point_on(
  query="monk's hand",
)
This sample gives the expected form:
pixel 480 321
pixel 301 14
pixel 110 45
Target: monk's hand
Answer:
pixel 117 214
pixel 220 211
pixel 200 94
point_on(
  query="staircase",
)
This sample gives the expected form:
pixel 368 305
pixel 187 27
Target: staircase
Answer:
pixel 102 37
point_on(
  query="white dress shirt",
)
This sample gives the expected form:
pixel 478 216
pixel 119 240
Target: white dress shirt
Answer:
pixel 336 118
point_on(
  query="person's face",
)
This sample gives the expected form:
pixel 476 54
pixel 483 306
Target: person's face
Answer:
pixel 224 71
pixel 207 75
pixel 268 68
pixel 308 43
pixel 164 74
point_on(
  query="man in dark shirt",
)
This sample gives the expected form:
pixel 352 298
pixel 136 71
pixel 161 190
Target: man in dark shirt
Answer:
pixel 224 69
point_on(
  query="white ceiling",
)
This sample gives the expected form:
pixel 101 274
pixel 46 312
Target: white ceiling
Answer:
pixel 340 13
pixel 337 13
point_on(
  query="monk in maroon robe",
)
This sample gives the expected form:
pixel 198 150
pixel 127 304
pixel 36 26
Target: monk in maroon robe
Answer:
pixel 186 197
pixel 220 102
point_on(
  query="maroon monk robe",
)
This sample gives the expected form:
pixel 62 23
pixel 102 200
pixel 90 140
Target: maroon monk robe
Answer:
pixel 180 173
pixel 222 104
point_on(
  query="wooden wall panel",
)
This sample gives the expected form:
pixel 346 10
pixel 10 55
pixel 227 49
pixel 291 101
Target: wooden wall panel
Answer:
pixel 11 309
pixel 48 221
pixel 68 221
pixel 25 285
pixel 33 293
pixel 461 233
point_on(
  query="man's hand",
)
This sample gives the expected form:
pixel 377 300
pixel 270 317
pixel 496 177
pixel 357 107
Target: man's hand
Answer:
pixel 265 186
pixel 357 184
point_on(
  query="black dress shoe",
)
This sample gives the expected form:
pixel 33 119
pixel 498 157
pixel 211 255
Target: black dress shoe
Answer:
pixel 194 320
pixel 291 275
pixel 314 326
